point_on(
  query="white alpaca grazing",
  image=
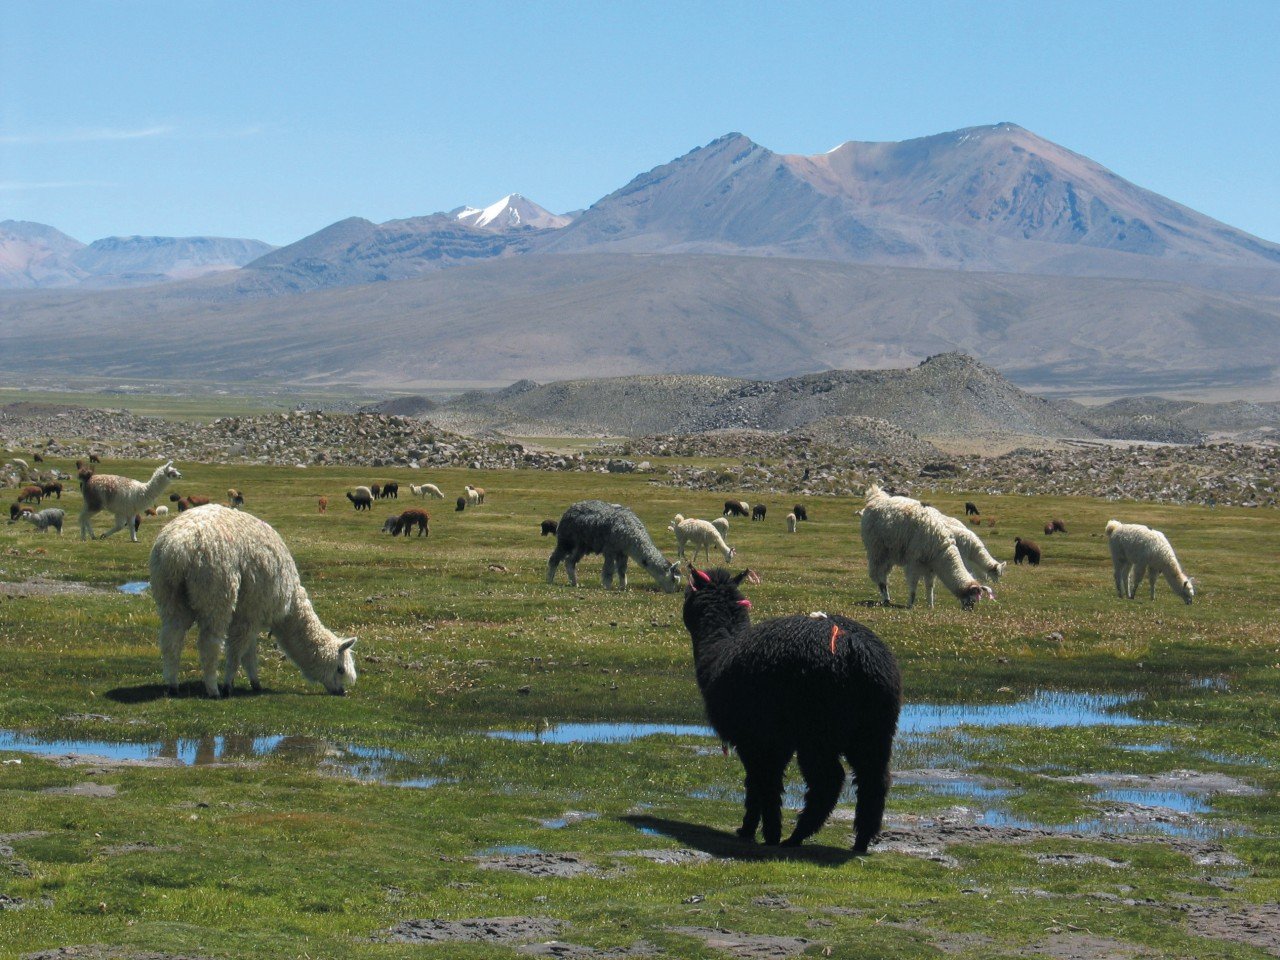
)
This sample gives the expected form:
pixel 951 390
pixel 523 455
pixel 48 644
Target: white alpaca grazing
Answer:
pixel 1137 551
pixel 426 490
pixel 122 497
pixel 972 551
pixel 721 524
pixel 899 531
pixel 791 523
pixel 231 573
pixel 703 535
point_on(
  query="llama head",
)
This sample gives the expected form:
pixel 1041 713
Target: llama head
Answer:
pixel 670 581
pixel 347 674
pixel 973 593
pixel 998 570
pixel 168 471
pixel 1188 591
pixel 712 597
pixel 338 673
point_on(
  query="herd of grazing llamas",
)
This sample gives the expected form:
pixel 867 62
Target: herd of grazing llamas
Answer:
pixel 817 687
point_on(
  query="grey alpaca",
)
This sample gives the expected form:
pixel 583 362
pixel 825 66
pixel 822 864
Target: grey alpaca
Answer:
pixel 610 529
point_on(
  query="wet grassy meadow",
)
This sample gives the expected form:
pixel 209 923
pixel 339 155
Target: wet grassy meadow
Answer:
pixel 1074 771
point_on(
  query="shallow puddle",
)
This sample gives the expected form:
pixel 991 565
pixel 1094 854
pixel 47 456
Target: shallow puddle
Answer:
pixel 1044 709
pixel 1176 800
pixel 602 732
pixel 362 763
pixel 1121 822
pixel 135 586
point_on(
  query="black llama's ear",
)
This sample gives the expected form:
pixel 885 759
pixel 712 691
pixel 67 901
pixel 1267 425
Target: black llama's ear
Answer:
pixel 737 581
pixel 748 575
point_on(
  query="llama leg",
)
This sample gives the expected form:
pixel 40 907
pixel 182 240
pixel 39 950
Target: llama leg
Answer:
pixel 823 776
pixel 622 571
pixel 1151 575
pixel 928 588
pixel 913 580
pixel 557 555
pixel 121 523
pixel 210 644
pixel 1138 574
pixel 771 800
pixel 240 637
pixel 86 525
pixel 871 771
pixel 763 803
pixel 606 575
pixel 174 625
pixel 878 570
pixel 250 662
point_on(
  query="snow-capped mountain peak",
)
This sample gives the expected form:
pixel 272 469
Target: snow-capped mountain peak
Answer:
pixel 511 212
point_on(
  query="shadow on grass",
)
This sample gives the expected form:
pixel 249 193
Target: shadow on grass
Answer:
pixel 722 843
pixel 149 692
pixel 872 604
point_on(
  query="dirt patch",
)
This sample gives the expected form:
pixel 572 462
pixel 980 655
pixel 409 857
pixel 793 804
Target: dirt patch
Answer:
pixel 20 903
pixel 558 948
pixel 1077 946
pixel 476 930
pixel 41 587
pixel 747 946
pixel 9 857
pixel 105 764
pixel 1254 924
pixel 1079 860
pixel 680 856
pixel 540 864
pixel 1182 781
pixel 944 776
pixel 947 941
pixel 772 901
pixel 89 789
pixel 922 835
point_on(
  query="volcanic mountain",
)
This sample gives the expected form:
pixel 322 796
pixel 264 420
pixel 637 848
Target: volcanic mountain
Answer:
pixel 996 198
pixel 730 260
pixel 39 256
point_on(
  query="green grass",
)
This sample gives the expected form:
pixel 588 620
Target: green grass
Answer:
pixel 280 858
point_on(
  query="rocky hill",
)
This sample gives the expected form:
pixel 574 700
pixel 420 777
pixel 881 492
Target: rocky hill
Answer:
pixel 949 395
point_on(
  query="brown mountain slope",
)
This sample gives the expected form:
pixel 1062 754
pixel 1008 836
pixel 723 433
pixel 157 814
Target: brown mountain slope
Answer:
pixel 994 198
pixel 560 317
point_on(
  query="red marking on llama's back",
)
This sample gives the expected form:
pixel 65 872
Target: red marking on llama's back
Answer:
pixel 835 632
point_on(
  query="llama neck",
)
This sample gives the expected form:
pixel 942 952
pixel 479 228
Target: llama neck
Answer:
pixel 302 636
pixel 158 483
pixel 950 569
pixel 1174 576
pixel 712 634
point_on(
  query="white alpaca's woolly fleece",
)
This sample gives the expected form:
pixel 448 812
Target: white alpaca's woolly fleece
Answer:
pixel 902 532
pixel 1137 551
pixel 230 572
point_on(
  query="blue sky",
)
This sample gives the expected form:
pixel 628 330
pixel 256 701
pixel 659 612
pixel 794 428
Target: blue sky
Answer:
pixel 271 120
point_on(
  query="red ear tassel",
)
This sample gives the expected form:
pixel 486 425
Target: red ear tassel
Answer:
pixel 700 575
pixel 745 603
